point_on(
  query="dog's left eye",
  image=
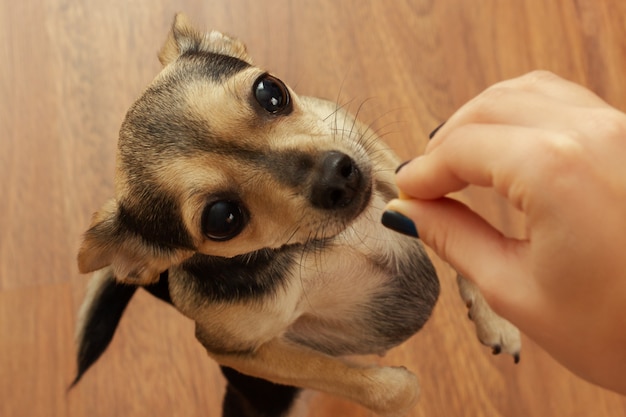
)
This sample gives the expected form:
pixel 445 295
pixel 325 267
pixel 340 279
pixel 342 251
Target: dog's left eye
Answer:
pixel 272 94
pixel 223 220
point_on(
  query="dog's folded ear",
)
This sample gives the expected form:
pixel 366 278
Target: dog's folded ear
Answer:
pixel 183 38
pixel 133 260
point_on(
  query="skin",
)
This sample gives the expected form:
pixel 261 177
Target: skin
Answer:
pixel 557 153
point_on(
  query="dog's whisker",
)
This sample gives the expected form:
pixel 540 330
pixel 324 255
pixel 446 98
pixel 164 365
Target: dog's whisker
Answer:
pixel 372 132
pixel 338 109
pixel 381 116
pixel 373 135
pixel 358 111
pixel 338 99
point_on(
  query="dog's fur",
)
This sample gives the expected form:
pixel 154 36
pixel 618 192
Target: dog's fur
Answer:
pixel 256 213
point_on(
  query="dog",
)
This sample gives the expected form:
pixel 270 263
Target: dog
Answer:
pixel 256 213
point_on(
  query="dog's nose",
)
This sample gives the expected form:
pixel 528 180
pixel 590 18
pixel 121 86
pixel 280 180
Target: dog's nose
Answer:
pixel 337 183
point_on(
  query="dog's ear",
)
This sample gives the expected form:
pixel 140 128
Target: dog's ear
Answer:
pixel 183 37
pixel 133 260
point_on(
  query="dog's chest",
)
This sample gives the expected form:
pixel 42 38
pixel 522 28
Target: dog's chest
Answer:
pixel 364 291
pixel 241 302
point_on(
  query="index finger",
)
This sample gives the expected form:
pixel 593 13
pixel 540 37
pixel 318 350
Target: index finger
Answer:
pixel 484 155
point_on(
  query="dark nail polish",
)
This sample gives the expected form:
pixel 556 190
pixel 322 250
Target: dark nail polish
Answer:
pixel 434 132
pixel 399 223
pixel 402 165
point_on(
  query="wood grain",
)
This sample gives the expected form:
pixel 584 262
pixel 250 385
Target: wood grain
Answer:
pixel 69 71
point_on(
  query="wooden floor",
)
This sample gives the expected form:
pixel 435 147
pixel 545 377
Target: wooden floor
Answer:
pixel 69 70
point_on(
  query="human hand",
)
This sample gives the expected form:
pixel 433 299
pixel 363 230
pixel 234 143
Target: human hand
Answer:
pixel 556 152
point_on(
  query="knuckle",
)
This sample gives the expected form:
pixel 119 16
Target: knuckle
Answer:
pixel 538 78
pixel 608 124
pixel 487 103
pixel 573 149
pixel 561 153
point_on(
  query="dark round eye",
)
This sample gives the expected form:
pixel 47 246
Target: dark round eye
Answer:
pixel 223 220
pixel 271 94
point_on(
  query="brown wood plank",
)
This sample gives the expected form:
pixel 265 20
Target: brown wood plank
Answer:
pixel 70 70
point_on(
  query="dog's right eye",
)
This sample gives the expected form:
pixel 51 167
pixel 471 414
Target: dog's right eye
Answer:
pixel 272 94
pixel 223 220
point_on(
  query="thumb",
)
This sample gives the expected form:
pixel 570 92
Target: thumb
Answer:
pixel 477 250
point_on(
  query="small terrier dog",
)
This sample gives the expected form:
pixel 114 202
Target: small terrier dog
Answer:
pixel 256 213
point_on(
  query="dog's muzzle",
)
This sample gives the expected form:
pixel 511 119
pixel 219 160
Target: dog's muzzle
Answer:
pixel 338 182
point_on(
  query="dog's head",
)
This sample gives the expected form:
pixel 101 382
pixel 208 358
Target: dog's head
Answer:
pixel 221 158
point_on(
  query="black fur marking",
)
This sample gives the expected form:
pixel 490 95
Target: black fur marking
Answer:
pixel 176 135
pixel 157 127
pixel 100 324
pixel 239 278
pixel 400 311
pixel 161 289
pixel 155 217
pixel 217 67
pixel 290 167
pixel 247 396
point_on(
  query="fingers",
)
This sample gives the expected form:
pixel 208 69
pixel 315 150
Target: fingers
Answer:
pixel 495 156
pixel 527 139
pixel 505 138
pixel 474 248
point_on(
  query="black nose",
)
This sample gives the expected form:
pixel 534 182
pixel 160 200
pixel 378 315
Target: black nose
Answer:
pixel 337 181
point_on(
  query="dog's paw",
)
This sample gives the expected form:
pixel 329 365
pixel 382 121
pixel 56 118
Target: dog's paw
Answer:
pixel 491 329
pixel 394 391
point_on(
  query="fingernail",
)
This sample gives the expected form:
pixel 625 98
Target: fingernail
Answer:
pixel 402 165
pixel 399 223
pixel 434 132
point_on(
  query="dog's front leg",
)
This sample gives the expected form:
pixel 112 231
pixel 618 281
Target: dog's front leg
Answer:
pixel 491 329
pixel 389 391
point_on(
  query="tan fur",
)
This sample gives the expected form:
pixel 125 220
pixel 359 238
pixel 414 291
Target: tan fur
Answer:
pixel 385 390
pixel 130 259
pixel 183 35
pixel 327 302
pixel 491 329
